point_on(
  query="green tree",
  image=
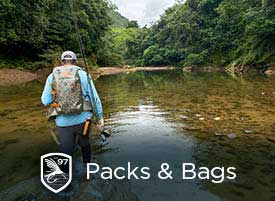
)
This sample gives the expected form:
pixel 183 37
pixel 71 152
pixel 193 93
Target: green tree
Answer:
pixel 92 19
pixel 35 30
pixel 132 24
pixel 23 24
pixel 210 32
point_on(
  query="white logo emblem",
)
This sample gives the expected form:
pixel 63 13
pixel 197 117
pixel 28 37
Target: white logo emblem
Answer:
pixel 56 171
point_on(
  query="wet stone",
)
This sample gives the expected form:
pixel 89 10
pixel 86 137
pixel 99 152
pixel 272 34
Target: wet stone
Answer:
pixel 248 131
pixel 184 117
pixel 198 115
pixel 219 134
pixel 188 128
pixel 231 136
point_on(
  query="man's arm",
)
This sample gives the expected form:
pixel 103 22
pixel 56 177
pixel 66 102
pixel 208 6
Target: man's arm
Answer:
pixel 96 101
pixel 94 97
pixel 46 97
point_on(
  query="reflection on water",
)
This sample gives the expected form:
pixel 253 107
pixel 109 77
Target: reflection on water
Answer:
pixel 175 117
pixel 207 118
pixel 142 136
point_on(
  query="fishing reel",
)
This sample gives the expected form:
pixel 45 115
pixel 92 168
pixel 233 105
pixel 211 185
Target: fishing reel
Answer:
pixel 103 138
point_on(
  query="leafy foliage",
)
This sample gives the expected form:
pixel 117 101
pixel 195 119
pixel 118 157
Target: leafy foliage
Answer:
pixel 35 30
pixel 211 32
pixel 118 21
pixel 114 50
pixel 132 24
pixel 192 32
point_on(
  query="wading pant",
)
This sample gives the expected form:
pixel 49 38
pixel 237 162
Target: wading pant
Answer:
pixel 70 137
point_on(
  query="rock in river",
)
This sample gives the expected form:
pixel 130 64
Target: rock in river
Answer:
pixel 248 131
pixel 184 117
pixel 232 136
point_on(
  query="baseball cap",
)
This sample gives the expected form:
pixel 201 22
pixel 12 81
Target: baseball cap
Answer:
pixel 68 55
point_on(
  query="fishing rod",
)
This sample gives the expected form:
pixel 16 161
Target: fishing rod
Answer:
pixel 104 133
pixel 82 51
pixel 79 39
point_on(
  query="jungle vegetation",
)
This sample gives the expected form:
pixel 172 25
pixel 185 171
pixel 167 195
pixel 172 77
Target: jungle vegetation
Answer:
pixel 210 32
pixel 192 32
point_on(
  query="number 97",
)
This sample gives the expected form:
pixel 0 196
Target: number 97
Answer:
pixel 62 161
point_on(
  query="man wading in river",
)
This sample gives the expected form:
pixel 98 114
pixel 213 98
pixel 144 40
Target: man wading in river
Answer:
pixel 72 97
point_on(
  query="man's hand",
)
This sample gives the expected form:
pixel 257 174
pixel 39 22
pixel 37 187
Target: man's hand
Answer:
pixel 100 125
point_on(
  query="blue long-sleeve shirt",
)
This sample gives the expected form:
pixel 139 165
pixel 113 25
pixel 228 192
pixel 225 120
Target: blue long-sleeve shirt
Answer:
pixel 88 91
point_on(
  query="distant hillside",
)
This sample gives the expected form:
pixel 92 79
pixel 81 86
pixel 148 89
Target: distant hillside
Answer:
pixel 119 21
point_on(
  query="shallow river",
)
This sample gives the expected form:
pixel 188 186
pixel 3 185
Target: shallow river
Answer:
pixel 209 119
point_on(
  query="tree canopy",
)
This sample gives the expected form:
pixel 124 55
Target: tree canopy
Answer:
pixel 194 32
pixel 38 30
pixel 211 32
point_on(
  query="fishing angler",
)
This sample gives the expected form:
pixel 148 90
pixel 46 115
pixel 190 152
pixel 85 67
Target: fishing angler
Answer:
pixel 73 100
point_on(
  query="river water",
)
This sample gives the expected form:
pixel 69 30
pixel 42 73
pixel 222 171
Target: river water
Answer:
pixel 209 119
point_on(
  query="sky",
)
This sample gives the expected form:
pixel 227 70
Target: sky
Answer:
pixel 144 11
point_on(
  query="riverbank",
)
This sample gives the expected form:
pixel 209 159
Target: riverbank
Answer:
pixel 14 77
pixel 269 71
pixel 113 70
